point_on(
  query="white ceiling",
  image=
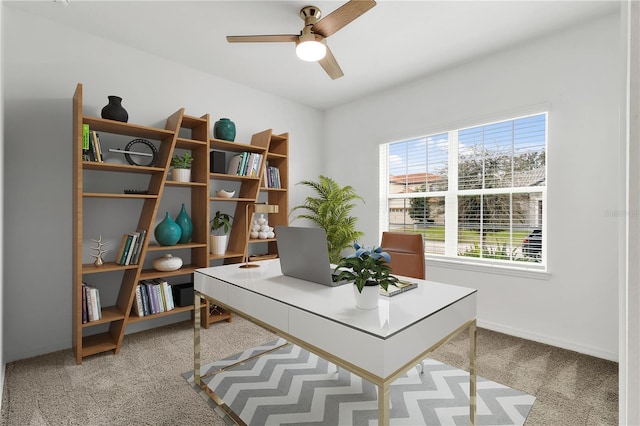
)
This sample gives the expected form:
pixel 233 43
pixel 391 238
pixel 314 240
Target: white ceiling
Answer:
pixel 392 43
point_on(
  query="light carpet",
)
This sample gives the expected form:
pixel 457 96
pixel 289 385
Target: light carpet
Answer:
pixel 293 386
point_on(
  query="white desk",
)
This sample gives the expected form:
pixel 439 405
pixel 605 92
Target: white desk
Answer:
pixel 378 345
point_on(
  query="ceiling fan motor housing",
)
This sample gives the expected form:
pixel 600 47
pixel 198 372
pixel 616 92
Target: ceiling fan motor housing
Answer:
pixel 310 12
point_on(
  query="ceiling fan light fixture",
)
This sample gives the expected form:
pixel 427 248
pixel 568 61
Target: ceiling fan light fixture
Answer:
pixel 309 49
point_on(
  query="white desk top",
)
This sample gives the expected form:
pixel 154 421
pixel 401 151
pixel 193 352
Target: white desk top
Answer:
pixel 337 304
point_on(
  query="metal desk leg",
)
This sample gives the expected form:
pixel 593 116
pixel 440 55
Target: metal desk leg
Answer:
pixel 472 372
pixel 384 402
pixel 196 337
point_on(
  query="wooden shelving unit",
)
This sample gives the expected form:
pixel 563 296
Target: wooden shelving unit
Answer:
pixel 182 132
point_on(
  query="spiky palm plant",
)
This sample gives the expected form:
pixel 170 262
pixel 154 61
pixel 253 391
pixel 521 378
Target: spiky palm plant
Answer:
pixel 331 211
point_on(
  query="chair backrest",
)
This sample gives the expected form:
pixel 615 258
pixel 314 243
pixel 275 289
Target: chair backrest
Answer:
pixel 407 253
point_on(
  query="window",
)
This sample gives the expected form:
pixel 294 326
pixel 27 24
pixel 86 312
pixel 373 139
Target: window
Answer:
pixel 475 193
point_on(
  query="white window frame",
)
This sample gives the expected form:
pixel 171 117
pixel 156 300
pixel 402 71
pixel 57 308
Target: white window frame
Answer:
pixel 451 258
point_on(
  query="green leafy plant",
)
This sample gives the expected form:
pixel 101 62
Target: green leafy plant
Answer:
pixel 366 265
pixel 221 221
pixel 331 211
pixel 182 161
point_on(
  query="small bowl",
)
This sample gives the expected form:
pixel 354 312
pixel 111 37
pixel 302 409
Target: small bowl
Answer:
pixel 225 194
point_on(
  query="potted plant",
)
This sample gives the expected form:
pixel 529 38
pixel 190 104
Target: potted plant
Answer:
pixel 369 270
pixel 220 225
pixel 331 211
pixel 182 167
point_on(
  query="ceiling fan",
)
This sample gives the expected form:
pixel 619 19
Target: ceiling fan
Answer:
pixel 310 43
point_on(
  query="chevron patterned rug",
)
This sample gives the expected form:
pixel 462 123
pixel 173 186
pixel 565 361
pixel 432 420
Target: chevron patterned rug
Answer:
pixel 292 386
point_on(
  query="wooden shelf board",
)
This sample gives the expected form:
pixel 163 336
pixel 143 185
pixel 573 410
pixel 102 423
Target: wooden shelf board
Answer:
pixel 148 274
pixel 234 146
pixel 157 247
pixel 177 310
pixel 124 168
pixel 114 195
pixel 246 200
pixel 225 176
pixel 88 268
pixel 120 128
pixel 109 314
pixel 227 255
pixel 224 316
pixel 273 155
pixel 190 121
pixel 273 189
pixel 259 240
pixel 97 343
pixel 176 183
pixel 184 143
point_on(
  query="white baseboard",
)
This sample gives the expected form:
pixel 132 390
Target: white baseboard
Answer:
pixel 564 344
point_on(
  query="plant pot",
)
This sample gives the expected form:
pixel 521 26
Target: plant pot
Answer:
pixel 181 175
pixel 218 244
pixel 368 298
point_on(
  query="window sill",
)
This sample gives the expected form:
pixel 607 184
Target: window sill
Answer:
pixel 489 268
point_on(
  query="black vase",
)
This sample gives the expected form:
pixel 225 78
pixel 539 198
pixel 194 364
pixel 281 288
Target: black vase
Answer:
pixel 114 110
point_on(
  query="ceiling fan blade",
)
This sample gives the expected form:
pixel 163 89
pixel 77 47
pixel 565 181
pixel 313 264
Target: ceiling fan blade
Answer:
pixel 263 38
pixel 340 17
pixel 330 65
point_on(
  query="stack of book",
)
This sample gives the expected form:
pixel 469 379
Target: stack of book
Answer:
pixel 130 248
pixel 245 164
pixel 400 287
pixel 91 147
pixel 91 307
pixel 153 297
pixel 272 177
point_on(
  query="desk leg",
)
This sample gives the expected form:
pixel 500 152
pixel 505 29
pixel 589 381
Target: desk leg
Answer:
pixel 472 373
pixel 196 338
pixel 384 402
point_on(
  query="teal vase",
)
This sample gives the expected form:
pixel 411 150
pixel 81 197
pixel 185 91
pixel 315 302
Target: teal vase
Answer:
pixel 186 226
pixel 224 129
pixel 167 232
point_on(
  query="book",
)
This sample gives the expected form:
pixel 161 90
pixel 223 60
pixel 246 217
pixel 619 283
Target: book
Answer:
pixel 234 164
pixel 137 305
pixel 400 287
pixel 98 304
pixel 132 244
pixel 152 296
pixel 125 253
pixel 145 299
pixel 85 318
pixel 86 146
pixel 138 249
pixel 96 146
pixel 123 243
pixel 168 294
pixel 93 310
pixel 160 295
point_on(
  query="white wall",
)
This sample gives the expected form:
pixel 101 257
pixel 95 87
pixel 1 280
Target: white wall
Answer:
pixel 42 63
pixel 2 358
pixel 576 75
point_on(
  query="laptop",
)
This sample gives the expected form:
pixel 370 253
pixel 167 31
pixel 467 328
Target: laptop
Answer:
pixel 304 254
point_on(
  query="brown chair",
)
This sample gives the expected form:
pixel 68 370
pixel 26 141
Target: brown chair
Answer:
pixel 407 253
pixel 407 258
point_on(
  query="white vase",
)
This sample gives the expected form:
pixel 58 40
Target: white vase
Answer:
pixel 218 244
pixel 167 263
pixel 181 175
pixel 368 299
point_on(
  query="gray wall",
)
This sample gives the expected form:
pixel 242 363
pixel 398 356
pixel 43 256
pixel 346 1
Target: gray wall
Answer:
pixel 575 75
pixel 42 63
